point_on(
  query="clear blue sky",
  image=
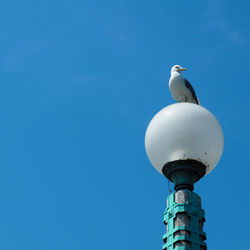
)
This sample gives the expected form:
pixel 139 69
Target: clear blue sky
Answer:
pixel 80 81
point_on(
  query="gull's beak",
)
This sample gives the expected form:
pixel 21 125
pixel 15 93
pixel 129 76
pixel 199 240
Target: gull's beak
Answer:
pixel 183 69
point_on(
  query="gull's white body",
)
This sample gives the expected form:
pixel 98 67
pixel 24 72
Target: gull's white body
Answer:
pixel 178 87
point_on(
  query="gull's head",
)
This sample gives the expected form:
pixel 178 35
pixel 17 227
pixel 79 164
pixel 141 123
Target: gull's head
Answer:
pixel 177 68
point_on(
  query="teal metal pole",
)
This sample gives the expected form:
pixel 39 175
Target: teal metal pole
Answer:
pixel 184 220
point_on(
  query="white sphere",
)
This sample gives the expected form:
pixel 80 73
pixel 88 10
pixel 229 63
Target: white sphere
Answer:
pixel 184 131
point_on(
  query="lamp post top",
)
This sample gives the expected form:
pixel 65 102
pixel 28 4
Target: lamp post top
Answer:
pixel 183 132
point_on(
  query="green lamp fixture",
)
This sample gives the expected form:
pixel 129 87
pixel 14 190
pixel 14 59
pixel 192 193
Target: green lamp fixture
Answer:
pixel 184 142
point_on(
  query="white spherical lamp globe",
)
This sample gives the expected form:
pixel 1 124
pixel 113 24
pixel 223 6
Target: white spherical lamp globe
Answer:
pixel 184 131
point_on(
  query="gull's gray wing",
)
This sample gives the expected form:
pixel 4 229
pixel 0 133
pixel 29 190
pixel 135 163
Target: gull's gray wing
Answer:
pixel 190 87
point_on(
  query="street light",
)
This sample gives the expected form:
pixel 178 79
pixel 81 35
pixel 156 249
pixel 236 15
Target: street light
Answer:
pixel 184 142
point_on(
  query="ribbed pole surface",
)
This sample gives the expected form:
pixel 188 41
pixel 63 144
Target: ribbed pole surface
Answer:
pixel 184 220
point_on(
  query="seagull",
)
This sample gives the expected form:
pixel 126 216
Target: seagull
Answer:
pixel 180 88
